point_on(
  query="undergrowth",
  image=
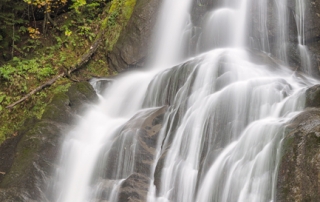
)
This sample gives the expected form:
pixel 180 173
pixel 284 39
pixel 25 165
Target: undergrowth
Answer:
pixel 39 57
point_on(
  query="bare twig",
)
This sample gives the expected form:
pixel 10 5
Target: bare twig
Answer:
pixel 46 84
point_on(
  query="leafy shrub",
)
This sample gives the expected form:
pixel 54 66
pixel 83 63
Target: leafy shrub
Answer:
pixel 25 68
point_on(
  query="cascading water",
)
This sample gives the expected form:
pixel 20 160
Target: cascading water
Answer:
pixel 304 53
pixel 218 117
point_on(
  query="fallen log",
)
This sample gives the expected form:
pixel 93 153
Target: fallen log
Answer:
pixel 83 60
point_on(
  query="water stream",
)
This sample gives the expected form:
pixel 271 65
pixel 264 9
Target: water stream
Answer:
pixel 226 102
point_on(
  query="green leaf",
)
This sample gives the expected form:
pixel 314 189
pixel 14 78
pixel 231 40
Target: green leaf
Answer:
pixel 2 98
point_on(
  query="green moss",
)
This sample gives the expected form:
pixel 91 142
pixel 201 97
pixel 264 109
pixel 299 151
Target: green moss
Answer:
pixel 80 89
pixel 12 120
pixel 119 13
pixel 60 100
pixel 129 6
pixel 31 144
pixel 25 153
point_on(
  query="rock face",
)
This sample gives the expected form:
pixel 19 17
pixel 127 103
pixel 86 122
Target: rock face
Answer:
pixel 137 140
pixel 132 47
pixel 313 96
pixel 29 158
pixel 311 32
pixel 299 170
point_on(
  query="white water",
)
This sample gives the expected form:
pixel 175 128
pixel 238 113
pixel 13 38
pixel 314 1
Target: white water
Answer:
pixel 303 49
pixel 221 136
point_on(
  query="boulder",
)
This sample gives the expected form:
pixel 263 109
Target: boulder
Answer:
pixel 132 46
pixel 134 188
pixel 132 155
pixel 299 170
pixel 313 96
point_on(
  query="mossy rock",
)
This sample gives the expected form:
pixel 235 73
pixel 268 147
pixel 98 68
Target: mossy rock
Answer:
pixel 58 110
pixel 81 94
pixel 32 154
pixel 132 47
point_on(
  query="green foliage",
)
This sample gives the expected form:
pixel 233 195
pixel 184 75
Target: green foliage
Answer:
pixel 86 31
pixel 77 4
pixel 3 100
pixel 11 13
pixel 7 71
pixel 61 88
pixel 18 72
pixel 23 30
pixel 38 57
pixel 31 44
pixel 119 13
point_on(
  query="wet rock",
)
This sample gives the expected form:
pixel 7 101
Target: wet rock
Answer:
pixel 268 33
pixel 100 84
pixel 81 94
pixel 31 155
pixel 137 140
pixel 199 8
pixel 132 155
pixel 134 188
pixel 132 46
pixel 311 31
pixel 313 96
pixel 299 171
pixel 158 171
pixel 312 18
pixel 274 46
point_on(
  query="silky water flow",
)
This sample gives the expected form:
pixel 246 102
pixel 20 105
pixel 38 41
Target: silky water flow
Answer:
pixel 224 104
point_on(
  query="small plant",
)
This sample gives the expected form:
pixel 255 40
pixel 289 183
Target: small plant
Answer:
pixel 22 68
pixel 34 33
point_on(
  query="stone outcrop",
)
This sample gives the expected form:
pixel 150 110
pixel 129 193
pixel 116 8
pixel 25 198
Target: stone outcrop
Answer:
pixel 138 140
pixel 132 46
pixel 313 96
pixel 28 159
pixel 299 170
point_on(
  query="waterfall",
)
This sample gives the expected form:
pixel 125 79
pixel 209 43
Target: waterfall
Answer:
pixel 303 49
pixel 218 113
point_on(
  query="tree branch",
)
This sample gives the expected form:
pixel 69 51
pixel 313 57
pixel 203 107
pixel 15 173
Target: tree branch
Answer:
pixel 83 60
